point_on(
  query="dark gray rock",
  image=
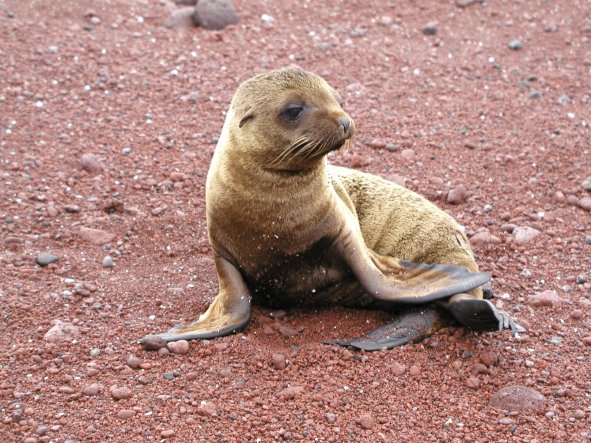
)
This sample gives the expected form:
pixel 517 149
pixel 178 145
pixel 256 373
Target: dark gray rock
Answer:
pixel 515 44
pixel 45 258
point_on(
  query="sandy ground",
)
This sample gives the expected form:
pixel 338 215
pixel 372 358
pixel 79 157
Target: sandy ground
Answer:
pixel 108 121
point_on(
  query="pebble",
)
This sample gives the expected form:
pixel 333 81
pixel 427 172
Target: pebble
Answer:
pixel 414 370
pixel 377 144
pixel 517 398
pixel 214 14
pixel 180 19
pixel 577 314
pixel 408 154
pixel 168 376
pixel 366 421
pixel 484 238
pixel 206 409
pixel 473 382
pixel 585 203
pixel 534 95
pixel 95 352
pixel 190 376
pixel 506 421
pixel 508 227
pixel 586 184
pixel 515 44
pixel 133 362
pixel 178 347
pixel 290 392
pixel 278 361
pixel 167 433
pixel 90 163
pixel 152 343
pixel 91 390
pixel 546 298
pixel 397 369
pixel 163 352
pixel 578 414
pixel 581 279
pixel 588 239
pixel 457 195
pixel 587 340
pixel 61 332
pixel 126 150
pixel 489 358
pixel 124 414
pixel 45 258
pixel 430 28
pixel 330 417
pixel 120 392
pixel 72 209
pixel 220 346
pixel 465 3
pixel 108 262
pixel 525 234
pixel 287 331
pixel 95 236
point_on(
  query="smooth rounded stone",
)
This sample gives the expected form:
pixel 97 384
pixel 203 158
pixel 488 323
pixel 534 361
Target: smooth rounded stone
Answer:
pixel 579 414
pixel 95 352
pixel 515 44
pixel 581 279
pixel 506 421
pixel 206 409
pixel 288 331
pixel 546 298
pixel 30 440
pixel 397 369
pixel 525 234
pixel 190 376
pixel 126 150
pixel 133 362
pixel 408 154
pixel 124 414
pixel 489 358
pixel 330 417
pixel 181 18
pixel 577 314
pixel 152 343
pixel 377 144
pixel 585 203
pixel 168 376
pixel 163 352
pixel 95 236
pixel 178 347
pixel 108 262
pixel 534 95
pixel 457 195
pixel 472 382
pixel 484 238
pixel 290 392
pixel 92 390
pixel 588 239
pixel 61 332
pixel 45 258
pixel 392 147
pixel 430 28
pixel 90 163
pixel 167 433
pixel 366 421
pixel 221 346
pixel 586 184
pixel 278 361
pixel 214 14
pixel 414 371
pixel 517 398
pixel 120 392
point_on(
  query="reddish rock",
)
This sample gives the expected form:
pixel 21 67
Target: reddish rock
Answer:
pixel 484 238
pixel 366 421
pixel 90 163
pixel 397 369
pixel 278 361
pixel 457 195
pixel 473 382
pixel 133 362
pixel 206 409
pixel 120 392
pixel 152 343
pixel 92 390
pixel 291 392
pixel 585 203
pixel 518 398
pixel 181 18
pixel 489 358
pixel 95 236
pixel 124 414
pixel 546 298
pixel 525 234
pixel 178 347
pixel 61 332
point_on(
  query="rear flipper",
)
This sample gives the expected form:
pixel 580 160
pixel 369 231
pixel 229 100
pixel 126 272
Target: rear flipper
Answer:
pixel 475 313
pixel 411 326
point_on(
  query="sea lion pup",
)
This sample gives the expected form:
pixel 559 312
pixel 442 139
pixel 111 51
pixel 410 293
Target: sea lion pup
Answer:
pixel 287 229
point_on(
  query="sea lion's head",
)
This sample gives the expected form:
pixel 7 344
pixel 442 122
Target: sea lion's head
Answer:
pixel 287 119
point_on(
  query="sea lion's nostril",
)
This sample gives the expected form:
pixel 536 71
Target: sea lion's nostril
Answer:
pixel 345 122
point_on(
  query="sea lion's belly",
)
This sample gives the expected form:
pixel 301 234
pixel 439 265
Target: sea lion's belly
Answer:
pixel 314 277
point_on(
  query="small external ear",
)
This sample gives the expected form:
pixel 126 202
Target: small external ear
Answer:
pixel 249 114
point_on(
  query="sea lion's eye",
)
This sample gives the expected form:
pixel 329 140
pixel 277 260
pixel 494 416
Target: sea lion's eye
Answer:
pixel 292 112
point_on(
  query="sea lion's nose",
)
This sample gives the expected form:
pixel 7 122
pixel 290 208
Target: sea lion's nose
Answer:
pixel 345 122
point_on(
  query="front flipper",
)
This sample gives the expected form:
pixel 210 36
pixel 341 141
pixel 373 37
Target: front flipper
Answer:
pixel 409 327
pixel 390 279
pixel 228 313
pixel 481 314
